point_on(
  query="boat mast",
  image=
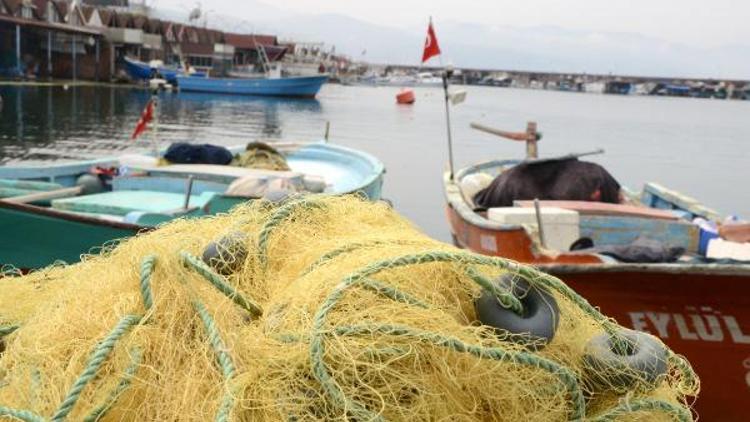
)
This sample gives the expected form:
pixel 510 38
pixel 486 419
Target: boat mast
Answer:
pixel 264 62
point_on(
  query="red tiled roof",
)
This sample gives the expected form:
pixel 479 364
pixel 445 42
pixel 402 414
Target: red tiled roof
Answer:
pixel 40 8
pixel 139 21
pixel 177 30
pixel 12 5
pixel 87 11
pixel 123 20
pixel 197 49
pixel 62 8
pixel 249 41
pixel 154 26
pixel 107 16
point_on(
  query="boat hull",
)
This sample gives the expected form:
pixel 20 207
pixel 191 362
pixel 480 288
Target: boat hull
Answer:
pixel 142 71
pixel 34 237
pixel 302 87
pixel 700 312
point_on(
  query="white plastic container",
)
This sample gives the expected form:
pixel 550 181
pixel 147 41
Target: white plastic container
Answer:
pixel 561 227
pixel 724 249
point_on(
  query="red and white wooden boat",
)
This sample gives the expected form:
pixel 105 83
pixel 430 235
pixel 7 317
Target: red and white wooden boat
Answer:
pixel 700 310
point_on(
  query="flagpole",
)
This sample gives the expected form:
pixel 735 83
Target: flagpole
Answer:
pixel 155 129
pixel 446 75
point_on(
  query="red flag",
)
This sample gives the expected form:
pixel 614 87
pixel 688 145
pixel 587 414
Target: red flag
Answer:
pixel 431 47
pixel 146 116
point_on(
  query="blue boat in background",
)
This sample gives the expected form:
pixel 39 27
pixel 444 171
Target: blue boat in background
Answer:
pixel 303 86
pixel 144 71
pixel 60 211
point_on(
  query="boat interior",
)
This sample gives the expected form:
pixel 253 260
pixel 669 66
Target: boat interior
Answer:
pixel 144 190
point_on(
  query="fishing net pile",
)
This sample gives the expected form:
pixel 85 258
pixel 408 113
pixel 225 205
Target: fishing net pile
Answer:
pixel 318 308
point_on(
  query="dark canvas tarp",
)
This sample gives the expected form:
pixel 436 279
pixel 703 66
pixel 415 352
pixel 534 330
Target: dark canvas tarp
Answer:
pixel 569 179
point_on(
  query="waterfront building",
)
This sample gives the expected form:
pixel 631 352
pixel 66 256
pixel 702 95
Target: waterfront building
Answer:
pixel 43 38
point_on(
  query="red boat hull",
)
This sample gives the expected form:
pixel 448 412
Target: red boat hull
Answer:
pixel 699 311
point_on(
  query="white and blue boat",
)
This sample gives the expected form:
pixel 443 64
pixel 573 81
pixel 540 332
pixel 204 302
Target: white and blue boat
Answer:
pixel 139 70
pixel 301 86
pixel 47 212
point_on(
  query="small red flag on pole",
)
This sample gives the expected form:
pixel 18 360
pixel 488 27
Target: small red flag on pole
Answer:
pixel 431 47
pixel 146 116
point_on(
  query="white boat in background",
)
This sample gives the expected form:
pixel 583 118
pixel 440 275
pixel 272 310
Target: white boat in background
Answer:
pixel 594 87
pixel 428 79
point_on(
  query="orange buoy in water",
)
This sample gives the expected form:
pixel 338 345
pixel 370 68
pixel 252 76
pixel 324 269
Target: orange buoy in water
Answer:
pixel 406 96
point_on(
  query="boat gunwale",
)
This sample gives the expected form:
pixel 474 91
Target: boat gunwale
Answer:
pixel 322 76
pixel 659 268
pixel 68 216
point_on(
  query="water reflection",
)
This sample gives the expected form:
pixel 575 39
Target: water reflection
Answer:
pixel 46 123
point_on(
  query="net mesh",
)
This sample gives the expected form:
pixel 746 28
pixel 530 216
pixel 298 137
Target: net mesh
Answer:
pixel 336 308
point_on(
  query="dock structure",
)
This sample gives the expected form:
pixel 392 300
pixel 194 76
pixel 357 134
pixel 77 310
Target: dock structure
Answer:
pixel 42 39
pixel 587 82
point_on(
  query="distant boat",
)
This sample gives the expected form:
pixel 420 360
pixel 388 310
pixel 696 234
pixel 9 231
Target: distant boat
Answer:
pixel 301 86
pixel 45 217
pixel 594 87
pixel 145 71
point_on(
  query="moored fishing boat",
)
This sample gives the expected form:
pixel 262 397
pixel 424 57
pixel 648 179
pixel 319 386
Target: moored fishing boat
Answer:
pixel 698 306
pixel 302 86
pixel 47 214
pixel 139 70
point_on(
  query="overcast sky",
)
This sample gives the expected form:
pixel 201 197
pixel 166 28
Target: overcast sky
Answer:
pixel 697 22
pixel 644 37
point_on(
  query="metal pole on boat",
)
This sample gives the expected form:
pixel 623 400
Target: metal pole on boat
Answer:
pixel 328 130
pixel 188 191
pixel 446 76
pixel 155 130
pixel 18 50
pixel 539 222
pixel 531 139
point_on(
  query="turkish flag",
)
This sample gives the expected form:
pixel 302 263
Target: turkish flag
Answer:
pixel 146 116
pixel 431 47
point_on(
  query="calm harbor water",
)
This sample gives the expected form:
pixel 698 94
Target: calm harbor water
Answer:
pixel 695 146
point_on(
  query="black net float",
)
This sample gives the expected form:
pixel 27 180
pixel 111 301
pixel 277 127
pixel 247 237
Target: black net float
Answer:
pixel 226 254
pixel 643 359
pixel 535 326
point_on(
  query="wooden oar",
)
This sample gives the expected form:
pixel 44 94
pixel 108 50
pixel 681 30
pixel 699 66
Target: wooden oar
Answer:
pixel 46 195
pixel 531 136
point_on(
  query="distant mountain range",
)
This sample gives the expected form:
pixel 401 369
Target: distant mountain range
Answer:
pixel 542 48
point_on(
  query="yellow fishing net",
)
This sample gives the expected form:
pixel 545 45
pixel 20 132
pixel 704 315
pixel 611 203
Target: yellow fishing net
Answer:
pixel 312 309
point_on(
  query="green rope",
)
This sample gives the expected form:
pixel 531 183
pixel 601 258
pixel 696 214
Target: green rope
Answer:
pixel 223 358
pixel 24 415
pixel 392 293
pixel 135 360
pixel 220 283
pixel 567 377
pixel 8 329
pixel 281 214
pixel 350 247
pixel 147 270
pixel 317 348
pixel 96 359
pixel 506 299
pixel 9 270
pixel 644 405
